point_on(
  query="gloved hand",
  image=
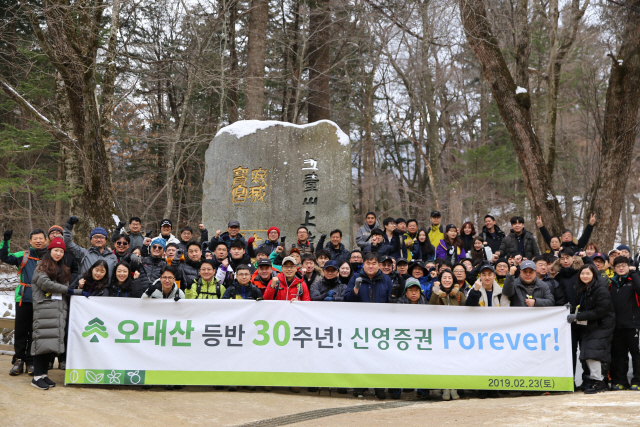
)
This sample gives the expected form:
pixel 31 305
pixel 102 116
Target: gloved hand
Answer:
pixel 323 236
pixel 7 235
pixel 188 286
pixel 73 220
pixel 150 290
pixel 331 293
pixel 177 297
pixel 358 283
pixel 121 224
pixel 86 294
pixel 568 306
pixel 251 240
pixel 329 298
pixel 71 291
pixel 571 318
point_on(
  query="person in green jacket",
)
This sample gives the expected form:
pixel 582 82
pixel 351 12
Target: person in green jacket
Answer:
pixel 210 283
pixel 436 233
pixel 26 261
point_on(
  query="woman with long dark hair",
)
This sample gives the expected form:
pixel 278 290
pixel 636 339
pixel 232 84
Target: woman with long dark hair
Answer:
pixel 480 251
pixel 595 323
pixel 468 231
pixel 50 287
pixel 451 248
pixel 121 281
pixel 95 280
pixel 423 247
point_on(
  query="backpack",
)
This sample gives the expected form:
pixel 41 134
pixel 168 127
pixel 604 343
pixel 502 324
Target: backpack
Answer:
pixel 25 259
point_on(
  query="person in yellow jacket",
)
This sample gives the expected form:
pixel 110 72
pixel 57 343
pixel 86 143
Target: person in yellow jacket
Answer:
pixel 210 283
pixel 436 232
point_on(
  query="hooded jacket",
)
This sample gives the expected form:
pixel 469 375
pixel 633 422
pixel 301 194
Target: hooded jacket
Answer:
pixel 188 272
pixel 286 292
pixel 256 280
pixel 509 245
pixel 337 255
pixel 158 294
pixel 517 293
pixel 319 289
pixel 452 296
pixel 625 297
pixel 442 252
pixel 376 289
pixel 364 234
pixel 436 233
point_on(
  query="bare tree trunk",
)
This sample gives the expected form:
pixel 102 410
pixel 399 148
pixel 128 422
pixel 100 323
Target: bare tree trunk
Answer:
pixel 619 131
pixel 233 64
pixel 514 109
pixel 256 56
pixel 319 60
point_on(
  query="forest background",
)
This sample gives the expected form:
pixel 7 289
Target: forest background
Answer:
pixel 513 107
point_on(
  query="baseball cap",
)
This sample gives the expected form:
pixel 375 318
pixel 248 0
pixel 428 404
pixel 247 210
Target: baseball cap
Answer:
pixel 166 222
pixel 377 231
pixel 487 267
pixel 598 255
pixel 402 261
pixel 528 264
pixel 435 213
pixel 264 261
pixel 385 258
pixel 289 259
pixel 330 263
pixel 233 223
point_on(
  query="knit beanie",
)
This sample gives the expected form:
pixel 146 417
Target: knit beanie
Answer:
pixel 98 230
pixel 159 241
pixel 57 242
pixel 55 228
pixel 273 228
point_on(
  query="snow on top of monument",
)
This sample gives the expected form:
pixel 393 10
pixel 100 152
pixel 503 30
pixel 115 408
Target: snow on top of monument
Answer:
pixel 247 127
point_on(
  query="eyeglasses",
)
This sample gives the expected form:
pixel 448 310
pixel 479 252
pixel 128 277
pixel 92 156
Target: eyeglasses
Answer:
pixel 98 237
pixel 163 278
pixel 156 247
pixel 122 244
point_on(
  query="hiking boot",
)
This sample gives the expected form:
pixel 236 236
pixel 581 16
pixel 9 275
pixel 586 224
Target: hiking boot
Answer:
pixel 267 388
pixel 596 387
pixel 446 394
pixel 492 394
pixel 422 394
pixel 49 382
pixel 30 369
pixel 312 389
pixel 455 395
pixel 342 390
pixel 294 389
pixel 62 366
pixel 395 393
pixel 233 388
pixel 619 387
pixel 380 393
pixel 482 394
pixel 40 384
pixel 18 368
pixel 635 387
pixel 358 392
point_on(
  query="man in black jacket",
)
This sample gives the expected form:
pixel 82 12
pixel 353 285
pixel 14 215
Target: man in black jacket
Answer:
pixel 334 247
pixel 625 295
pixel 491 234
pixel 542 266
pixel 189 270
pixel 519 241
pixel 378 245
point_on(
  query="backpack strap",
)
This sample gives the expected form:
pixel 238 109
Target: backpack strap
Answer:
pixel 218 289
pixel 25 259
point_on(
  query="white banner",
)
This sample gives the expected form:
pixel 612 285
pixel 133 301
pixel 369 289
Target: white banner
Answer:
pixel 317 344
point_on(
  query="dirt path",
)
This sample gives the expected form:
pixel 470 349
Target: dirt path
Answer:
pixel 23 405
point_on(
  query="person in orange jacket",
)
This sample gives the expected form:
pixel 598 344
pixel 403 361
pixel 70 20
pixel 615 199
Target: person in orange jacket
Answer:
pixel 288 286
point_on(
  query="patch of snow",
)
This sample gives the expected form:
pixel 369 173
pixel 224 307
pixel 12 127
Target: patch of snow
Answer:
pixel 285 163
pixel 7 305
pixel 619 61
pixel 33 109
pixel 115 218
pixel 26 146
pixel 247 127
pixel 520 89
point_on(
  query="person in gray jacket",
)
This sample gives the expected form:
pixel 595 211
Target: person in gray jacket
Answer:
pixel 364 232
pixel 50 287
pixel 329 287
pixel 135 236
pixel 165 287
pixel 527 290
pixel 98 250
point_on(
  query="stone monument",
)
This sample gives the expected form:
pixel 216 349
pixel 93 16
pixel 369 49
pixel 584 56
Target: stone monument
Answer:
pixel 270 173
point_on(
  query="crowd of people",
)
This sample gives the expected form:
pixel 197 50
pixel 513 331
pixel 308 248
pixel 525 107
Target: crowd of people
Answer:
pixel 396 262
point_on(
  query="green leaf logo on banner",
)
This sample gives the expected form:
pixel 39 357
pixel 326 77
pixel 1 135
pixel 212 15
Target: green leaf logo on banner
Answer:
pixel 95 327
pixel 93 377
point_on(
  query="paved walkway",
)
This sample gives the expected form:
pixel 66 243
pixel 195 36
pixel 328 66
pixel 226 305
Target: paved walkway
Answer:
pixel 23 405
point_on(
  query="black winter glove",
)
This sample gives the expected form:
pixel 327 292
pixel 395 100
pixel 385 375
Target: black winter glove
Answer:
pixel 150 290
pixel 7 235
pixel 121 224
pixel 571 318
pixel 72 220
pixel 323 236
pixel 148 233
pixel 177 297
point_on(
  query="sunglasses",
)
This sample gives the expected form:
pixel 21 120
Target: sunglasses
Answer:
pixel 156 247
pixel 122 244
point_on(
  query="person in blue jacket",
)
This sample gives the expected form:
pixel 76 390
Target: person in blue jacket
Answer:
pixel 371 285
